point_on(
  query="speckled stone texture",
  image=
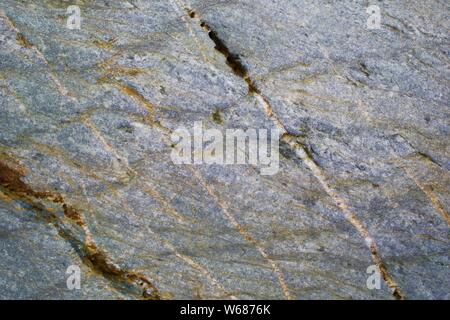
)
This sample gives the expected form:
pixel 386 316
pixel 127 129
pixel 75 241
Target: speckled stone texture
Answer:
pixel 86 176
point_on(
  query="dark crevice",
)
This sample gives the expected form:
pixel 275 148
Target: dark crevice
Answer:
pixel 191 13
pixel 23 41
pixel 233 60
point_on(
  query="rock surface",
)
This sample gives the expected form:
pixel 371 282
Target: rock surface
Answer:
pixel 87 179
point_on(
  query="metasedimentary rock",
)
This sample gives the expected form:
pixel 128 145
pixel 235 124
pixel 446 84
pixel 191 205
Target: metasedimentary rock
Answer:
pixel 87 178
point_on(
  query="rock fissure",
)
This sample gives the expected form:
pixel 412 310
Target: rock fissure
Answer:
pixel 234 62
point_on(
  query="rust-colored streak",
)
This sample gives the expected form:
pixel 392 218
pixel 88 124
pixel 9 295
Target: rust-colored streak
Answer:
pixel 132 92
pixel 91 255
pixel 73 215
pixel 11 179
pixel 23 41
pixel 102 264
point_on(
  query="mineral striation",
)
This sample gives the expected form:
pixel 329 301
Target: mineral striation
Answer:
pixel 87 180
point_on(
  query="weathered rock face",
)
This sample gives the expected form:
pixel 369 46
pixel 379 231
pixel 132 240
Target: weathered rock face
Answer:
pixel 85 152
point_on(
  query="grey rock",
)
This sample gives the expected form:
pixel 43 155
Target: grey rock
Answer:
pixel 87 179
